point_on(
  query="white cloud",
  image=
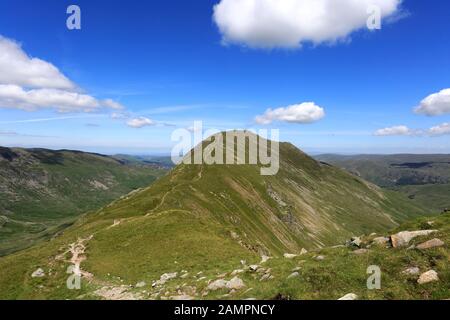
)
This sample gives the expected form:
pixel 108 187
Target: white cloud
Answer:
pixel 140 122
pixel 112 104
pixel 17 68
pixel 31 84
pixel 13 96
pixel 439 130
pixel 435 104
pixel 395 131
pixel 289 23
pixel 119 115
pixel 307 112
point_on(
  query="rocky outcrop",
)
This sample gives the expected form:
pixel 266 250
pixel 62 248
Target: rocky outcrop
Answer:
pixel 403 238
pixel 427 277
pixel 234 284
pixel 349 296
pixel 164 278
pixel 411 271
pixel 380 240
pixel 38 273
pixel 430 244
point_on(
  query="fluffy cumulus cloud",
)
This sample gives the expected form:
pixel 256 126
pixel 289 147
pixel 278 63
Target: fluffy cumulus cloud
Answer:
pixel 395 131
pixel 140 122
pixel 289 23
pixel 440 130
pixel 307 112
pixel 13 96
pixel 31 84
pixel 435 104
pixel 16 67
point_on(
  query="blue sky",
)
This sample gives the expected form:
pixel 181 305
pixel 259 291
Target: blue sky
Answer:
pixel 166 61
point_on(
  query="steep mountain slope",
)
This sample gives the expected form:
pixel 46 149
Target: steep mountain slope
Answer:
pixel 425 179
pixel 42 191
pixel 205 219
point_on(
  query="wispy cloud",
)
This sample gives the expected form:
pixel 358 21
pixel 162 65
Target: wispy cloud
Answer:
pixel 16 134
pixel 171 109
pixel 52 119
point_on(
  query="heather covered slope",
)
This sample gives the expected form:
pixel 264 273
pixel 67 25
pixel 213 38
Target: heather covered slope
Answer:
pixel 43 191
pixel 205 219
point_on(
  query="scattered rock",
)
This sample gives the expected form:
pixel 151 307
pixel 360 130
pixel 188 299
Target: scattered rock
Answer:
pixel 182 297
pixel 403 238
pixel 140 284
pixel 293 275
pixel 235 284
pixel 320 258
pixel 430 244
pixel 39 273
pixel 356 241
pixel 427 277
pixel 189 290
pixel 303 251
pixel 411 271
pixel 164 278
pixel 289 255
pixel 237 271
pixel 169 276
pixel 264 259
pixel 296 269
pixel 349 296
pixel 261 270
pixel 253 267
pixel 360 251
pixel 217 285
pixel 184 275
pixel 380 240
pixel 117 293
pixel 265 276
pixel 234 235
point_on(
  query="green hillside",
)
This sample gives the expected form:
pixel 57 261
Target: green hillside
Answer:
pixel 425 179
pixel 200 221
pixel 44 191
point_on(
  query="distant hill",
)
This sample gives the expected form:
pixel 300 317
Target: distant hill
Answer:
pixel 160 161
pixel 425 179
pixel 203 220
pixel 43 191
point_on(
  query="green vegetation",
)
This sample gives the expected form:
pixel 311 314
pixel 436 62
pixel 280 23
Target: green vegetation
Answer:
pixel 43 191
pixel 200 221
pixel 425 179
